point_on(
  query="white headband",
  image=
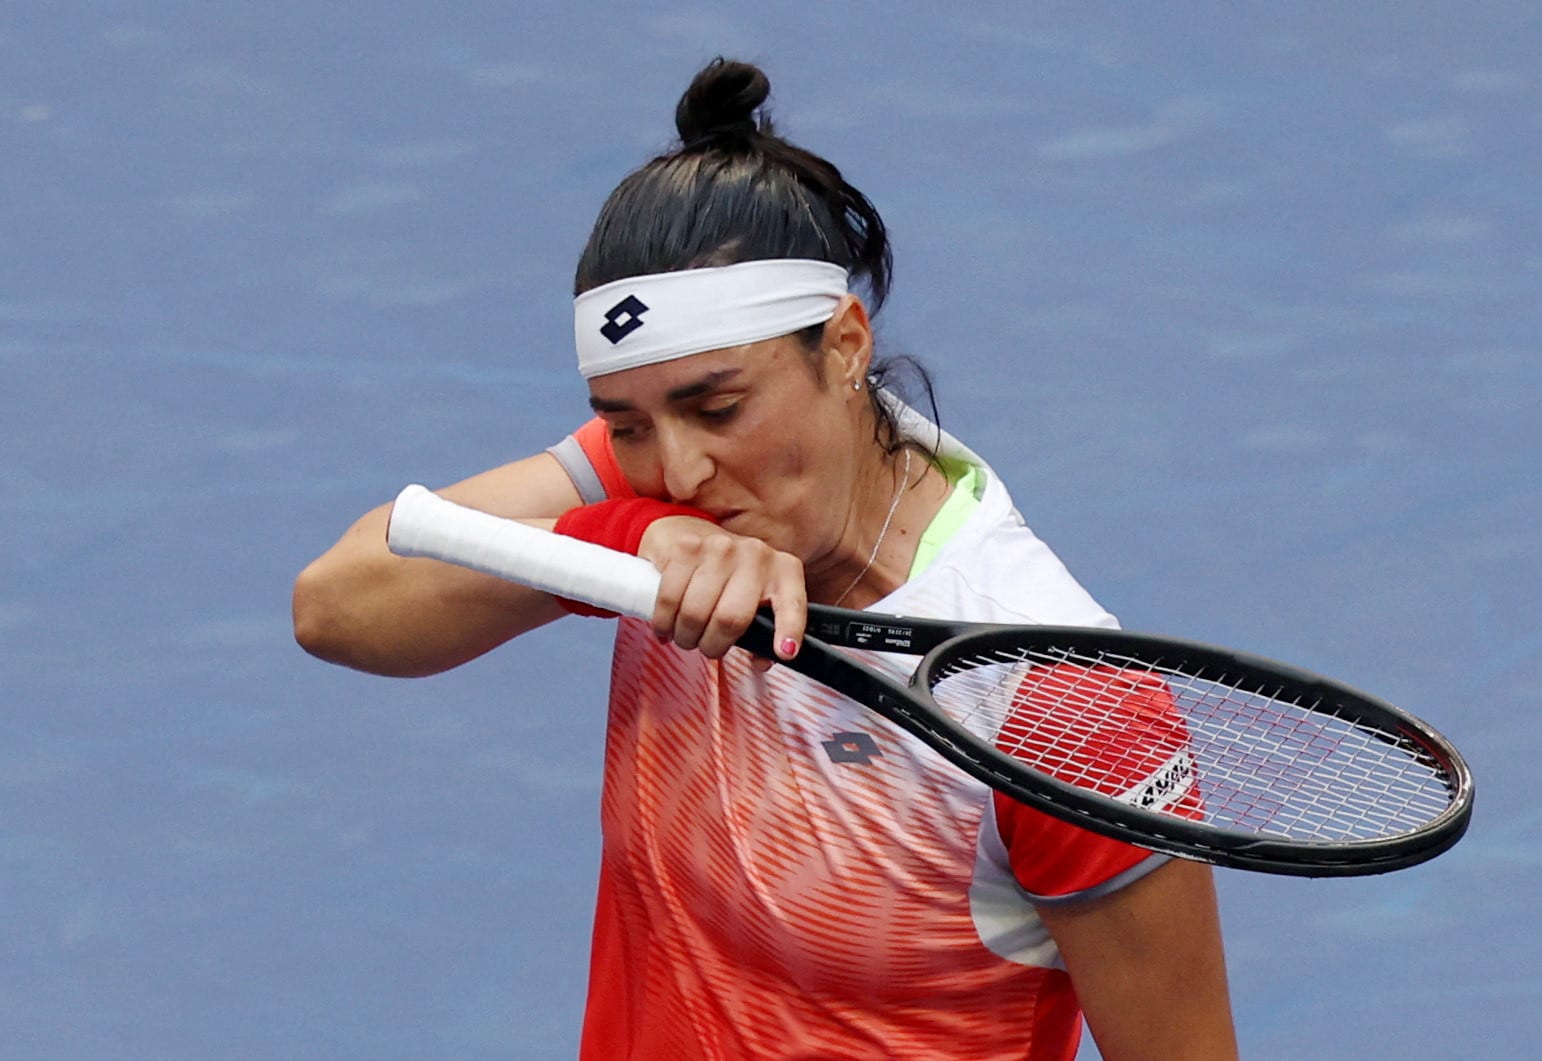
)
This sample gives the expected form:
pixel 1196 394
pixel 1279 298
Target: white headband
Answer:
pixel 643 320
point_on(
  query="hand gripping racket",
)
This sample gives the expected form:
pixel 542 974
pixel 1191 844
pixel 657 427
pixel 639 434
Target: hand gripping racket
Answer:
pixel 1178 747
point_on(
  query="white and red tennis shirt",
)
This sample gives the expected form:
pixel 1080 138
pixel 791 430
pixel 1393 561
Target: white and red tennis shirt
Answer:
pixel 787 875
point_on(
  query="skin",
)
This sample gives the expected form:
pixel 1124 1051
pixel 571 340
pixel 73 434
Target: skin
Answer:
pixel 800 514
pixel 359 605
pixel 1149 968
pixel 778 446
pixel 752 435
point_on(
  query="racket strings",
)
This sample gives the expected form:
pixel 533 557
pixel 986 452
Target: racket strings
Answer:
pixel 1188 743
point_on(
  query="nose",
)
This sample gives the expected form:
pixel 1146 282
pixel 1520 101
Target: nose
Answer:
pixel 684 461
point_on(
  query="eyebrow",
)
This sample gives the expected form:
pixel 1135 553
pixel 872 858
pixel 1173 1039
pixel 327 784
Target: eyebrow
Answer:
pixel 705 385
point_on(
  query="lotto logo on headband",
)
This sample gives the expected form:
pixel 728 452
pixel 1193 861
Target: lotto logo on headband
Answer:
pixel 622 319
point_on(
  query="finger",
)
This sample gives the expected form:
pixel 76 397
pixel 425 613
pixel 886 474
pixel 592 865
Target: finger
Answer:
pixel 712 569
pixel 676 569
pixel 738 602
pixel 789 604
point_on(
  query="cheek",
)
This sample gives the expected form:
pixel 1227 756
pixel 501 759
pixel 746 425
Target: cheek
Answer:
pixel 807 493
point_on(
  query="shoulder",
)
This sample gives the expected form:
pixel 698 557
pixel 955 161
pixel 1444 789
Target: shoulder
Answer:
pixel 996 569
pixel 590 462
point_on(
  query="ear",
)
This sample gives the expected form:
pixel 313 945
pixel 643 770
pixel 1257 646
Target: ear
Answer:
pixel 848 343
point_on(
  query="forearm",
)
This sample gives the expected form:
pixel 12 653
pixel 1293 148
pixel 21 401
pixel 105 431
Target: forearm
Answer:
pixel 360 606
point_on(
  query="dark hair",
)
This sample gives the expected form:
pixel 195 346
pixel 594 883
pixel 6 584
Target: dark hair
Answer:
pixel 734 191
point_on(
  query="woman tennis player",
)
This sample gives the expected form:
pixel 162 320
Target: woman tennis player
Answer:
pixel 785 874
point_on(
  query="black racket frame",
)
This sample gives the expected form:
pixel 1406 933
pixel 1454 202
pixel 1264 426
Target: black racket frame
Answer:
pixel 938 642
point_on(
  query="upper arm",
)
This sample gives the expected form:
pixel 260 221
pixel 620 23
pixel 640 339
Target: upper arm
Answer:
pixel 533 488
pixel 1148 966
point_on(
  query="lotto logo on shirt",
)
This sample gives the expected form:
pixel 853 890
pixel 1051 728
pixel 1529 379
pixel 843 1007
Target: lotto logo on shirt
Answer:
pixel 852 747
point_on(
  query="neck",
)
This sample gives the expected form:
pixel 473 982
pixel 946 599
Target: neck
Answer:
pixel 883 527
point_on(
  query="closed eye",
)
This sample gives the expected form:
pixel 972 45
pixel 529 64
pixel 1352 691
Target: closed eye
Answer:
pixel 621 431
pixel 718 414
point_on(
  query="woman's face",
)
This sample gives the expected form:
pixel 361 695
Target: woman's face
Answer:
pixel 748 434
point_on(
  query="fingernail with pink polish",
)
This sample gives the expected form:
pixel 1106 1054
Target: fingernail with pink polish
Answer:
pixel 789 647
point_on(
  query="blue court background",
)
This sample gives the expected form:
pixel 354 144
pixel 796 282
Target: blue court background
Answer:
pixel 1242 299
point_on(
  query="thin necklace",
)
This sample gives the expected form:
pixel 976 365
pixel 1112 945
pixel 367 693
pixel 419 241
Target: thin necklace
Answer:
pixel 899 491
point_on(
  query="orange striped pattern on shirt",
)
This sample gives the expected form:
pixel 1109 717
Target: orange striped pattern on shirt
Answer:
pixel 786 875
pixel 764 895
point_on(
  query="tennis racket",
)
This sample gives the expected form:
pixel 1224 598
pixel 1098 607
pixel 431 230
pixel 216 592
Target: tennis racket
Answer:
pixel 1182 748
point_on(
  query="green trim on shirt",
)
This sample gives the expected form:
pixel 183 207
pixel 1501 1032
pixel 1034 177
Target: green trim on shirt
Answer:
pixel 968 486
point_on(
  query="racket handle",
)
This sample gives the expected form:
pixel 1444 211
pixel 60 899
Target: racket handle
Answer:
pixel 425 524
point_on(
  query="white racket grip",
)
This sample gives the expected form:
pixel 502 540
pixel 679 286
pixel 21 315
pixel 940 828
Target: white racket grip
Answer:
pixel 425 524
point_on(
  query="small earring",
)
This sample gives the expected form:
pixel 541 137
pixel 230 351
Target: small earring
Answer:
pixel 856 385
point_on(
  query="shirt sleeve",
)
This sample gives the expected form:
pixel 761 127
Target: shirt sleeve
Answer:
pixel 1057 862
pixel 590 461
pixel 1102 727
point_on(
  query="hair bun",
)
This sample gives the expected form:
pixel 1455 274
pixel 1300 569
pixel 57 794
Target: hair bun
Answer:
pixel 723 99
